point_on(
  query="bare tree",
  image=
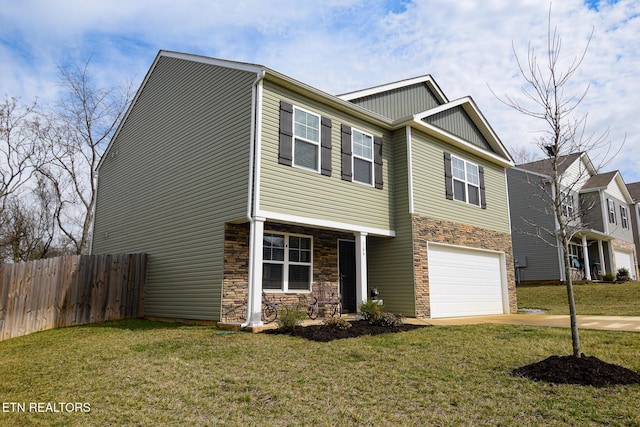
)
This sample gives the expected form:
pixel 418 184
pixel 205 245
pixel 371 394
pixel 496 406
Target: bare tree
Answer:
pixel 20 152
pixel 548 98
pixel 83 121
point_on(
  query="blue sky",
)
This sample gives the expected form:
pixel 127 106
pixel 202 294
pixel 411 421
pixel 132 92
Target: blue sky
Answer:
pixel 344 45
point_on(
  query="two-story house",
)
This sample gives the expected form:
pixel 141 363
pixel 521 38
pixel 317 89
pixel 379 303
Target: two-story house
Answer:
pixel 634 190
pixel 238 180
pixel 596 206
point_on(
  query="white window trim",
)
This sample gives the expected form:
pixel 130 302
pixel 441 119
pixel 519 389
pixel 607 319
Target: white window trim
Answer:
pixel 355 156
pixel 567 204
pixel 624 217
pixel 574 247
pixel 466 182
pixel 611 208
pixel 316 143
pixel 286 263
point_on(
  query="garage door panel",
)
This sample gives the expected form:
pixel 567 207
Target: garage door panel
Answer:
pixel 464 282
pixel 624 259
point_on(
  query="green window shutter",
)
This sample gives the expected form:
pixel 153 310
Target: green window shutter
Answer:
pixel 345 132
pixel 377 161
pixel 448 177
pixel 285 151
pixel 483 199
pixel 325 142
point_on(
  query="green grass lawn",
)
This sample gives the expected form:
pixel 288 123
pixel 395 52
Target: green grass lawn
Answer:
pixel 151 374
pixel 609 299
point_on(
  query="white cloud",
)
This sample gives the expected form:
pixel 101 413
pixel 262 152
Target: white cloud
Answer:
pixel 339 46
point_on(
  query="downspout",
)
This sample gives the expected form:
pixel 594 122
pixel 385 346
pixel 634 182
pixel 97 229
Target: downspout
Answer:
pixel 252 197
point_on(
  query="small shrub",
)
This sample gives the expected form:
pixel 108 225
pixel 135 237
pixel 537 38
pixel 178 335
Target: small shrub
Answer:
pixel 370 309
pixel 374 313
pixel 623 275
pixel 608 277
pixel 336 323
pixel 289 317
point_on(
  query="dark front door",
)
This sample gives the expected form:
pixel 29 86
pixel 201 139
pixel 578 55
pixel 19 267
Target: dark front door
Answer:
pixel 347 270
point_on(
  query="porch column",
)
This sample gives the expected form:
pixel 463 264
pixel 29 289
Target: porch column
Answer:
pixel 254 296
pixel 361 268
pixel 585 256
pixel 603 267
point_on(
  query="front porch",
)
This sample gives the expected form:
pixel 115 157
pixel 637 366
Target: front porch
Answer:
pixel 289 264
pixel 590 257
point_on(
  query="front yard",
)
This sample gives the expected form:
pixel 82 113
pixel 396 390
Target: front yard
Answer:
pixel 605 299
pixel 146 373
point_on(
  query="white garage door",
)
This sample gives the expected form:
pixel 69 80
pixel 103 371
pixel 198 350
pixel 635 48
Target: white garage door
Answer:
pixel 464 282
pixel 624 259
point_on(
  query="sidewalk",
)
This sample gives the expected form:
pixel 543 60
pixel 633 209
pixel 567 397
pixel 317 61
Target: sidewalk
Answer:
pixel 612 323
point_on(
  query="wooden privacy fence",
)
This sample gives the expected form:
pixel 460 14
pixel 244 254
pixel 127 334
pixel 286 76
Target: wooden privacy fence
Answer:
pixel 70 290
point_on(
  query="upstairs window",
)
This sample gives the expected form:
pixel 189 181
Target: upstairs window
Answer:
pixel 566 201
pixel 306 135
pixel 612 211
pixel 466 181
pixel 623 217
pixel 304 139
pixel 287 262
pixel 362 157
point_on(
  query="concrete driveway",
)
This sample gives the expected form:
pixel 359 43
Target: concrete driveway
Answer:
pixel 612 323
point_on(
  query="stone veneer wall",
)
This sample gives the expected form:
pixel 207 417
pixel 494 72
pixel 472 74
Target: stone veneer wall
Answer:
pixel 427 229
pixel 236 266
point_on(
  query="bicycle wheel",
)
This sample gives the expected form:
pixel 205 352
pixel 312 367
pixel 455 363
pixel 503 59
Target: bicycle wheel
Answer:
pixel 269 313
pixel 312 312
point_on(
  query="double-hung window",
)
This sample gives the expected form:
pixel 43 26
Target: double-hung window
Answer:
pixel 306 136
pixel 574 255
pixel 566 201
pixel 362 157
pixel 612 211
pixel 466 181
pixel 287 262
pixel 623 217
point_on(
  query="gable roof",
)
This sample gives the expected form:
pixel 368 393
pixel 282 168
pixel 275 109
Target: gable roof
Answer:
pixel 545 166
pixel 603 180
pixel 634 190
pixel 500 155
pixel 426 79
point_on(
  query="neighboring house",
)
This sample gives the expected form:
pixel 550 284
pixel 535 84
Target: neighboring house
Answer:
pixel 634 190
pixel 598 206
pixel 236 179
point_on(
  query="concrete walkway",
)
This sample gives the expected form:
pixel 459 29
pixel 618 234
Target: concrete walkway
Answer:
pixel 612 323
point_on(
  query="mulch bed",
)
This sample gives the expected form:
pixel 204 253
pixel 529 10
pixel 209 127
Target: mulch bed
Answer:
pixel 358 328
pixel 584 370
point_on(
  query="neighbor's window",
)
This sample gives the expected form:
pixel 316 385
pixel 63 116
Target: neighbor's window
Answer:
pixel 287 262
pixel 362 157
pixel 466 181
pixel 612 211
pixel 574 255
pixel 306 134
pixel 623 217
pixel 567 204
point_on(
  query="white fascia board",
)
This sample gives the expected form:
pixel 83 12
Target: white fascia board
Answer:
pixel 323 223
pixel 427 79
pixel 623 187
pixel 527 171
pixel 470 107
pixel 461 143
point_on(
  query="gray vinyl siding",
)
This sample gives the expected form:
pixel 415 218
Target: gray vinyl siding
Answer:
pixel 458 122
pixel 390 260
pixel 616 230
pixel 176 172
pixel 401 102
pixel 307 194
pixel 593 216
pixel 527 201
pixel 429 186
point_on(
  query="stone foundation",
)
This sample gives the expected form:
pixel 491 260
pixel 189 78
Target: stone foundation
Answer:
pixel 236 266
pixel 427 229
